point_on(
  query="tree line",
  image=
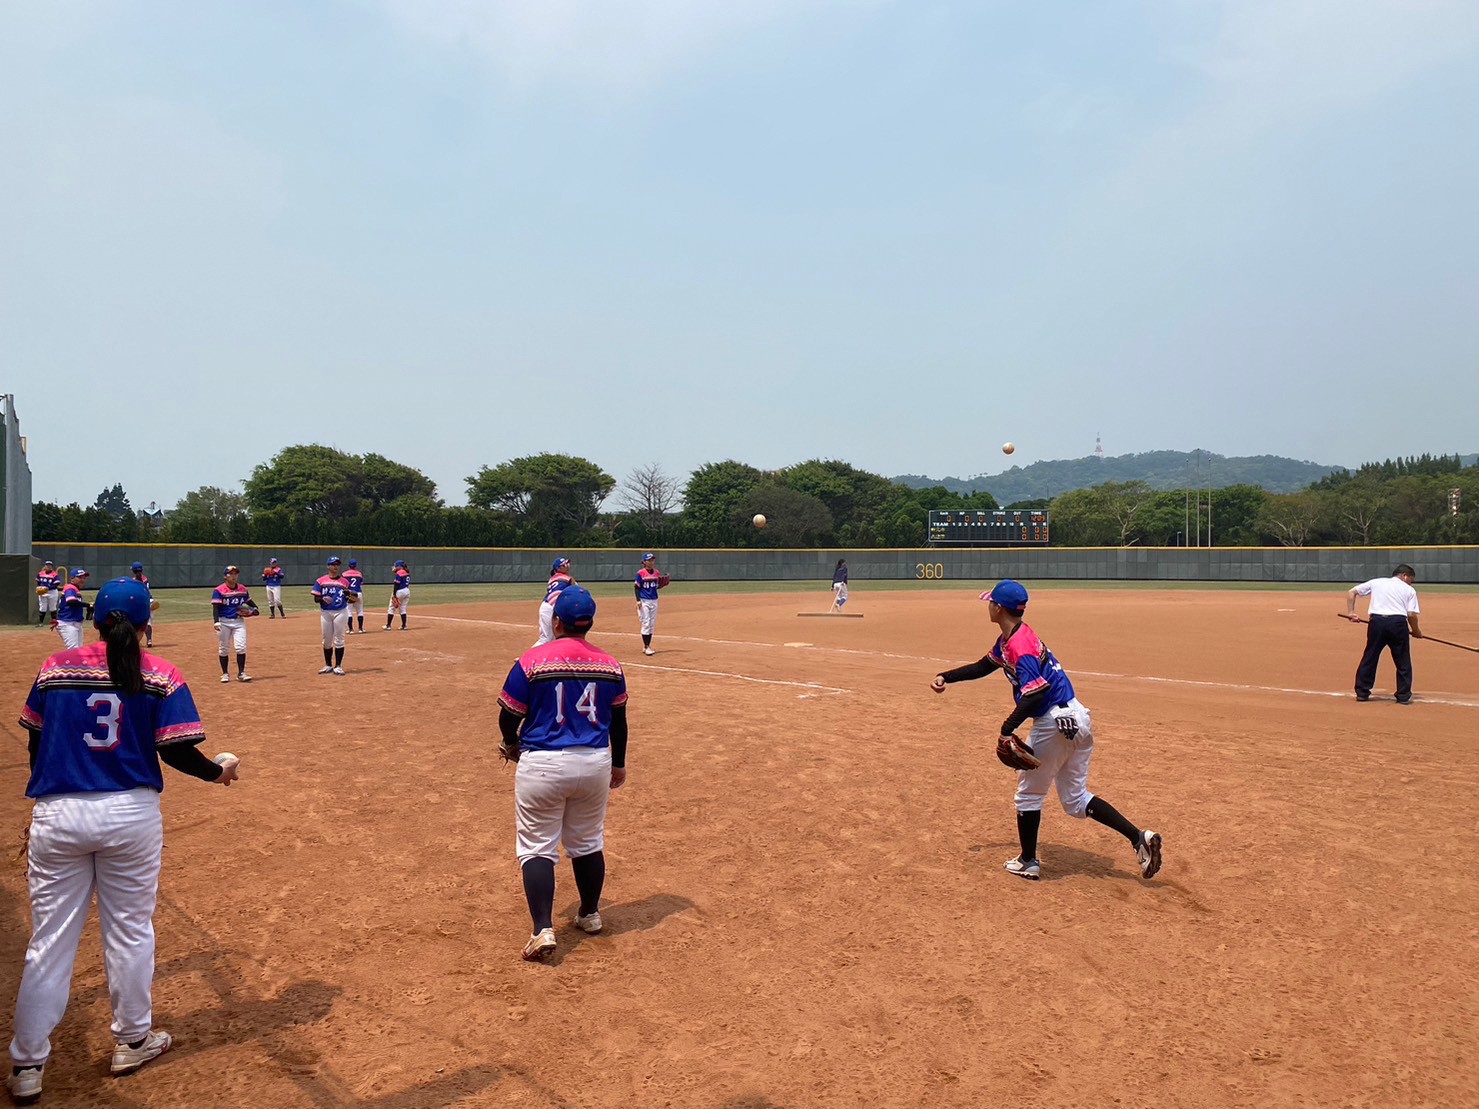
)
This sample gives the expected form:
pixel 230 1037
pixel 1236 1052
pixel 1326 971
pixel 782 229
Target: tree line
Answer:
pixel 310 494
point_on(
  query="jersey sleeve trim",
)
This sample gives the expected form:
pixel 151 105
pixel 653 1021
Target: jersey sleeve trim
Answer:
pixel 515 706
pixel 191 732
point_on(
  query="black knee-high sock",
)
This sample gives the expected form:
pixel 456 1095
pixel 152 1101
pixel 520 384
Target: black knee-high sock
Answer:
pixel 590 876
pixel 1027 826
pixel 282 612
pixel 361 623
pixel 338 656
pixel 328 656
pixel 223 664
pixel 403 620
pixel 1106 814
pixel 647 641
pixel 539 891
pixel 241 662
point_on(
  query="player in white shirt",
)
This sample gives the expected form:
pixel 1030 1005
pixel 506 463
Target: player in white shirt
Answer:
pixel 1391 620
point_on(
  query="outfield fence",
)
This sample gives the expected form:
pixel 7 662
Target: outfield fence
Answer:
pixel 192 566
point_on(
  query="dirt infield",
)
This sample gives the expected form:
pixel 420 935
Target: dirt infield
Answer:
pixel 805 901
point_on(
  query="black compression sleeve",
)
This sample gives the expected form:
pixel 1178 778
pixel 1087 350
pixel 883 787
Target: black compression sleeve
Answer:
pixel 509 724
pixel 971 670
pixel 619 737
pixel 1030 705
pixel 187 759
pixel 33 748
pixel 215 613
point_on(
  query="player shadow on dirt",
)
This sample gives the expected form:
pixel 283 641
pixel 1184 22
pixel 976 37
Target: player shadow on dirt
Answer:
pixel 618 920
pixel 1059 861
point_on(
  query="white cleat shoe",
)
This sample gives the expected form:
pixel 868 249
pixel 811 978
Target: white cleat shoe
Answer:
pixel 1028 868
pixel 590 925
pixel 648 651
pixel 1149 851
pixel 327 670
pixel 25 1087
pixel 541 945
pixel 128 1059
pixel 243 677
pixel 339 670
pixel 225 677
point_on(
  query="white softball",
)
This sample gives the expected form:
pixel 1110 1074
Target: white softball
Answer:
pixel 224 757
pixel 1008 448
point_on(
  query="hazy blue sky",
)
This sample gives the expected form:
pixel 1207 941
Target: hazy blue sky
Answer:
pixel 896 233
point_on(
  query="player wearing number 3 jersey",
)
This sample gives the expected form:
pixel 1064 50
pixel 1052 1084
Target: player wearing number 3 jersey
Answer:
pixel 101 718
pixel 563 712
pixel 1061 739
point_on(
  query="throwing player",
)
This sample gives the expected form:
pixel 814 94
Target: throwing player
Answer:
pixel 330 594
pixel 72 610
pixel 272 579
pixel 230 603
pixel 649 581
pixel 1062 736
pixel 48 592
pixel 100 720
pixel 143 579
pixel 839 585
pixel 560 578
pixel 562 713
pixel 356 582
pixel 400 594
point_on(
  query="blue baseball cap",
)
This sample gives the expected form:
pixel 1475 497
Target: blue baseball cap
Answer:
pixel 124 595
pixel 1010 595
pixel 334 560
pixel 272 560
pixel 648 557
pixel 48 562
pixel 558 564
pixel 400 563
pixel 576 608
pixel 354 562
pixel 138 566
pixel 79 573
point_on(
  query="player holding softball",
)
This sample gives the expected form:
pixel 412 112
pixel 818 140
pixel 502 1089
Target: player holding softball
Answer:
pixel 330 594
pixel 400 594
pixel 1061 741
pixel 649 581
pixel 560 579
pixel 143 579
pixel 100 720
pixel 356 582
pixel 272 580
pixel 563 716
pixel 230 603
pixel 48 591
pixel 72 610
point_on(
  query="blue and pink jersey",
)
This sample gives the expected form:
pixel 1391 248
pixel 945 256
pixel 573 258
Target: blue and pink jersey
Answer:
pixel 557 582
pixel 356 581
pixel 230 600
pixel 648 583
pixel 565 691
pixel 331 592
pixel 72 608
pixel 50 579
pixel 1030 666
pixel 272 575
pixel 402 579
pixel 96 739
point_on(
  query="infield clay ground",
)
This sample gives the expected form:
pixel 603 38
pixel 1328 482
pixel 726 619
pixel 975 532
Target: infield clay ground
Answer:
pixel 805 904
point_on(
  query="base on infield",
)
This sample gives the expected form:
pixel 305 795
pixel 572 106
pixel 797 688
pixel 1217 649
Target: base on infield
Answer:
pixel 844 615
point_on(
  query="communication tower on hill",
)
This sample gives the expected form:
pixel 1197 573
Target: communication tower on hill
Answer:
pixel 1098 449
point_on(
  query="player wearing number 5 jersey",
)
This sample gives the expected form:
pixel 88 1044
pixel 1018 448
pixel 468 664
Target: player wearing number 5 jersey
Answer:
pixel 100 718
pixel 400 594
pixel 1062 736
pixel 563 717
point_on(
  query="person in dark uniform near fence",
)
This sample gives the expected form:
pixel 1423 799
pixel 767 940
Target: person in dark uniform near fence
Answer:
pixel 1390 625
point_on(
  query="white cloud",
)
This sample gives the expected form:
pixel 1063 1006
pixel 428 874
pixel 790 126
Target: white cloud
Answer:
pixel 624 45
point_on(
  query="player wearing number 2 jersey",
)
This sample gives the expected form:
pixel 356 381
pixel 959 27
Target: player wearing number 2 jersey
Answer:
pixel 563 711
pixel 101 718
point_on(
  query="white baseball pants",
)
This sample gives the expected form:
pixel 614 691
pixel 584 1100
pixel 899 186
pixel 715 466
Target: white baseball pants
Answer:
pixel 647 613
pixel 81 842
pixel 48 602
pixel 71 634
pixel 356 604
pixel 231 636
pixel 1065 762
pixel 404 596
pixel 839 589
pixel 274 595
pixel 333 622
pixel 560 797
pixel 546 624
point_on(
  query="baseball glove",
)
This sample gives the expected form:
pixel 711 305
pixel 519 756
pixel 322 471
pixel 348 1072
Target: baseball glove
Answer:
pixel 1016 754
pixel 42 591
pixel 153 606
pixel 510 752
pixel 395 602
pixel 663 580
pixel 250 609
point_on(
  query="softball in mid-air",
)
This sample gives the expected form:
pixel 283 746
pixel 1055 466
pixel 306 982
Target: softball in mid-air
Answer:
pixel 759 520
pixel 1008 448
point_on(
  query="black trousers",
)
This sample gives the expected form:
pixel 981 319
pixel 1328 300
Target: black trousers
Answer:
pixel 1389 633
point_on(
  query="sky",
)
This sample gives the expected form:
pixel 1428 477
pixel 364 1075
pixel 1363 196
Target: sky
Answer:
pixel 893 232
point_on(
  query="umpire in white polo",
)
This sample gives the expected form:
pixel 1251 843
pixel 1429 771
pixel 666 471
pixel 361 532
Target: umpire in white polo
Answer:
pixel 1391 619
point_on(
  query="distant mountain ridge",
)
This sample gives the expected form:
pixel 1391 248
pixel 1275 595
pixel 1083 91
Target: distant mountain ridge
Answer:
pixel 1158 469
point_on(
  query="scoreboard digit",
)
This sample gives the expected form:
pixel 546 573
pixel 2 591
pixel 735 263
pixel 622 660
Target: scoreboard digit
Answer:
pixel 979 527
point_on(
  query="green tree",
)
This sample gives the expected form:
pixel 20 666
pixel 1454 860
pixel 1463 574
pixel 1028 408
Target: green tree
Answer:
pixel 47 522
pixel 793 518
pixel 114 502
pixel 1235 510
pixel 383 481
pixel 715 490
pixel 204 515
pixel 1079 519
pixel 1289 519
pixel 311 480
pixel 556 495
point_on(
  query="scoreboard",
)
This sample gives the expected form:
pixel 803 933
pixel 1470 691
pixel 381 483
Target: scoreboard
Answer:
pixel 978 527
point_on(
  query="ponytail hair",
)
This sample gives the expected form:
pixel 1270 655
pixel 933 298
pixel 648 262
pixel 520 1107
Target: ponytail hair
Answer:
pixel 125 658
pixel 840 561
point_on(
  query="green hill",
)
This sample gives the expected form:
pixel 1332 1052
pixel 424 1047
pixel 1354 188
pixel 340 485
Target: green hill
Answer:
pixel 1158 469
